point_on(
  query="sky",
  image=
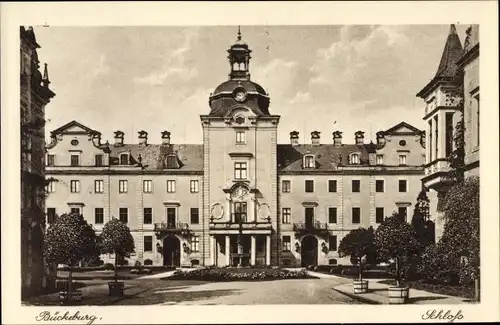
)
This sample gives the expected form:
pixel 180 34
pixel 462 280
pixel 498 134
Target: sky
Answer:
pixel 324 78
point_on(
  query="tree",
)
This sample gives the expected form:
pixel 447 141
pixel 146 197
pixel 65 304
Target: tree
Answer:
pixel 396 240
pixel 460 237
pixel 116 239
pixel 358 244
pixel 423 226
pixel 69 240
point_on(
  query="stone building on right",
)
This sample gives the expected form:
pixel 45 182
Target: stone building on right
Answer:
pixel 451 96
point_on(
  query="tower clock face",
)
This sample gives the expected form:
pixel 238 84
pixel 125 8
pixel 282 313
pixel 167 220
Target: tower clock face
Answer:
pixel 240 95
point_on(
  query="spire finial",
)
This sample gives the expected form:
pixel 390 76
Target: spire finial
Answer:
pixel 239 33
pixel 453 29
pixel 45 78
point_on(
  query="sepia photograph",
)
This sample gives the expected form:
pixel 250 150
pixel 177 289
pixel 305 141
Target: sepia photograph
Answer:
pixel 250 164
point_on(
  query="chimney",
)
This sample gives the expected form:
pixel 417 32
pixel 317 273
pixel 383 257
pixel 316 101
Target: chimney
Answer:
pixel 143 138
pixel 337 138
pixel 294 138
pixel 315 138
pixel 165 138
pixel 380 138
pixel 119 138
pixel 359 137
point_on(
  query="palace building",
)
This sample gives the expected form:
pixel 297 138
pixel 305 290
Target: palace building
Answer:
pixel 239 197
pixel 452 96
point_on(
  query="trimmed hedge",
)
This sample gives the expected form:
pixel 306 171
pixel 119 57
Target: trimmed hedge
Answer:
pixel 222 275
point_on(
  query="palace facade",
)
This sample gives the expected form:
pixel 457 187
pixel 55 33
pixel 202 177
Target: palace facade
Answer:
pixel 452 96
pixel 35 94
pixel 239 197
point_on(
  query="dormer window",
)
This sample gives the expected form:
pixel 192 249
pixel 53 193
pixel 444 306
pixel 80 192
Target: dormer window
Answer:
pixel 172 161
pixel 309 161
pixel 354 159
pixel 124 159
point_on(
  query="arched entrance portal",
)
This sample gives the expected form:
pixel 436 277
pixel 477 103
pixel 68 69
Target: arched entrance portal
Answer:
pixel 309 250
pixel 171 251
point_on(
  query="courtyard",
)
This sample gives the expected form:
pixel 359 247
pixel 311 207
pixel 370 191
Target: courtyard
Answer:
pixel 161 289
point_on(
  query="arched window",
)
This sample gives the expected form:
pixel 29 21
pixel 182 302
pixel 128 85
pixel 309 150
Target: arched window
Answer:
pixel 309 161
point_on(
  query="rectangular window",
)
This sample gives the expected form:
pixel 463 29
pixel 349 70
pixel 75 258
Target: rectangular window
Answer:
pixel 122 186
pixel 240 212
pixel 355 159
pixel 332 242
pixel 379 185
pixel 356 215
pixel 99 215
pixel 449 134
pixel 170 186
pixel 148 243
pixel 309 186
pixel 123 215
pixel 430 142
pixel 286 186
pixel 332 186
pixel 195 244
pixel 240 170
pixel 124 159
pixel 98 160
pixel 240 137
pixel 379 215
pixel 332 215
pixel 98 186
pixel 194 186
pixel 309 217
pixel 51 160
pixel 287 243
pixel 402 160
pixel 356 185
pixel 171 217
pixel 436 135
pixel 75 160
pixel 75 210
pixel 477 119
pixel 147 186
pixel 148 216
pixel 286 215
pixel 380 160
pixel 402 211
pixel 74 186
pixel 171 161
pixel 195 216
pixel 51 215
pixel 402 186
pixel 51 187
pixel 309 162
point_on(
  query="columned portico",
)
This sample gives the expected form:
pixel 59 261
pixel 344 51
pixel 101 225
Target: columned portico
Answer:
pixel 255 249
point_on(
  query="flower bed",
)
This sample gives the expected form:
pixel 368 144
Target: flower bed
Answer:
pixel 222 275
pixel 443 289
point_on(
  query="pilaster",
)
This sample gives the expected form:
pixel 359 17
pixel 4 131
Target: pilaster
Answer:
pixel 372 211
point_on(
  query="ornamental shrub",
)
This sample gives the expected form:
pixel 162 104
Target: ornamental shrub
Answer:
pixel 116 239
pixel 70 240
pixel 396 240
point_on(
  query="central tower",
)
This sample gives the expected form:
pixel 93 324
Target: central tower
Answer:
pixel 240 169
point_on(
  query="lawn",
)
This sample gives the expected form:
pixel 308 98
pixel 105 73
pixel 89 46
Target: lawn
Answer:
pixel 443 289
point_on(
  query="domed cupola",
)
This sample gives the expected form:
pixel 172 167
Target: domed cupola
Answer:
pixel 239 90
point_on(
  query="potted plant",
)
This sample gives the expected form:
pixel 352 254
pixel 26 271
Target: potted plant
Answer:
pixel 396 240
pixel 70 240
pixel 116 239
pixel 358 244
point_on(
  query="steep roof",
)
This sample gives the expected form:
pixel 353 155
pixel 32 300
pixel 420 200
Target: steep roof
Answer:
pixel 452 52
pixel 448 67
pixel 327 155
pixel 153 156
